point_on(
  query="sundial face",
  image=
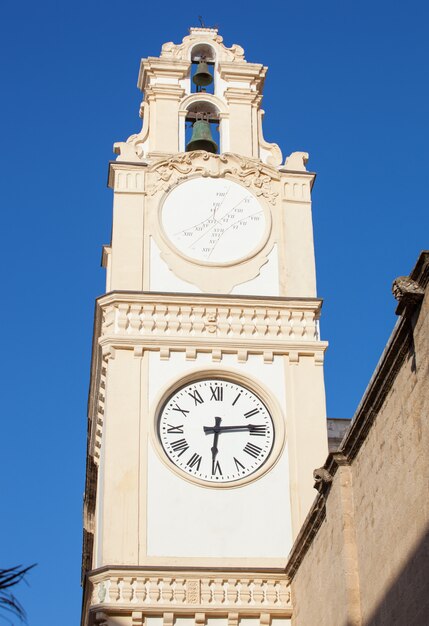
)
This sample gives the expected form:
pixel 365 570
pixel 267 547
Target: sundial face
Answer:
pixel 214 221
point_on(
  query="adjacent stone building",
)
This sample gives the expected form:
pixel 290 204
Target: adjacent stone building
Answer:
pixel 362 556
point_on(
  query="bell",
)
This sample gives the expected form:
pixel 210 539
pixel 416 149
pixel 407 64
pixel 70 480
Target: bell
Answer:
pixel 201 138
pixel 202 76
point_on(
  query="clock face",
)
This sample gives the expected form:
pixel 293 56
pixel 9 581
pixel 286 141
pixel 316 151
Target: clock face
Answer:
pixel 216 430
pixel 213 220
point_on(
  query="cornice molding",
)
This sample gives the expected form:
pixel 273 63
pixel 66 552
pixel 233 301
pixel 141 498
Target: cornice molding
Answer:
pixel 254 73
pixel 168 68
pixel 240 95
pixel 164 92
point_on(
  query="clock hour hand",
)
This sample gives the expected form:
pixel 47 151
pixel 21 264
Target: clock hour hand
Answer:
pixel 214 447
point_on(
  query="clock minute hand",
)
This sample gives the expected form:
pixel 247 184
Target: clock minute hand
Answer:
pixel 223 429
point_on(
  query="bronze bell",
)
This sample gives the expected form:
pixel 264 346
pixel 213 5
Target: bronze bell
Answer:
pixel 202 76
pixel 201 138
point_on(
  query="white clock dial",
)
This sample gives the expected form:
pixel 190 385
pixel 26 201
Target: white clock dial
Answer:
pixel 216 430
pixel 213 220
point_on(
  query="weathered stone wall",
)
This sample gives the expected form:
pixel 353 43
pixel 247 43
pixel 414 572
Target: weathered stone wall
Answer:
pixel 362 557
pixel 390 489
pixel 317 579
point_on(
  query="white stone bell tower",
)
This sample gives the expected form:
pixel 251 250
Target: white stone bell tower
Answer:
pixel 207 403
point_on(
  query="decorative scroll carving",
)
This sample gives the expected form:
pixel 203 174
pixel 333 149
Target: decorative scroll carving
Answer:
pixel 270 152
pixel 171 50
pixel 132 150
pixel 252 173
pixel 158 593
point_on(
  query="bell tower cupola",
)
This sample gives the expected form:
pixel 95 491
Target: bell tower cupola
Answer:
pixel 174 96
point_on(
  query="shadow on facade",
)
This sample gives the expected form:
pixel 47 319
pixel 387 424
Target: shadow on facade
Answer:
pixel 407 601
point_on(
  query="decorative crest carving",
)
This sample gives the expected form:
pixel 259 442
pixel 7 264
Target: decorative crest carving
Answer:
pixel 180 51
pixel 250 172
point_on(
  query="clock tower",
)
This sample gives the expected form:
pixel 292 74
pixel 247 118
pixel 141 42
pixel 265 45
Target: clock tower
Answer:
pixel 207 404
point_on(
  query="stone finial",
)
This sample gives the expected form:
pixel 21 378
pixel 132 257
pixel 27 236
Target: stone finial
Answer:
pixel 297 161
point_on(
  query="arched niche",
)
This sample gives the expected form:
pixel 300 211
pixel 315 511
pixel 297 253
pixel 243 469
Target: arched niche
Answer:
pixel 211 108
pixel 203 51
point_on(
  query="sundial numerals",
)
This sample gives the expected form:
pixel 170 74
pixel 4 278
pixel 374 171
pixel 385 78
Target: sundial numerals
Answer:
pixel 213 220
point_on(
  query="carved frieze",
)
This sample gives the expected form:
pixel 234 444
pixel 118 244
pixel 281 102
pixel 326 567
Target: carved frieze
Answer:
pixel 158 594
pixel 176 319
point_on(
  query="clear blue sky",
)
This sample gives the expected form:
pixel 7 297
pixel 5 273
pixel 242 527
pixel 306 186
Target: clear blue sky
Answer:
pixel 347 82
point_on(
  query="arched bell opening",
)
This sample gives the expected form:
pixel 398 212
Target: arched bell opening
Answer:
pixel 203 61
pixel 202 131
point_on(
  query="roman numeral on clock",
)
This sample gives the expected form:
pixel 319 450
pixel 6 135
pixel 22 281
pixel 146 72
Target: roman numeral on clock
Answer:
pixel 238 465
pixel 180 446
pixel 253 450
pixel 217 393
pixel 196 396
pixel 251 413
pixel 177 430
pixel 183 411
pixel 236 399
pixel 216 468
pixel 195 460
pixel 258 430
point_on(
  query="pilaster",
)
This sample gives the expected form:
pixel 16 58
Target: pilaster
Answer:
pixel 306 428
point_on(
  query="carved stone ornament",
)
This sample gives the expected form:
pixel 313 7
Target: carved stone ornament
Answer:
pixel 404 288
pixel 322 476
pixel 171 50
pixel 297 161
pixel 271 152
pixel 260 179
pixel 132 150
pixel 161 595
pixel 251 172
